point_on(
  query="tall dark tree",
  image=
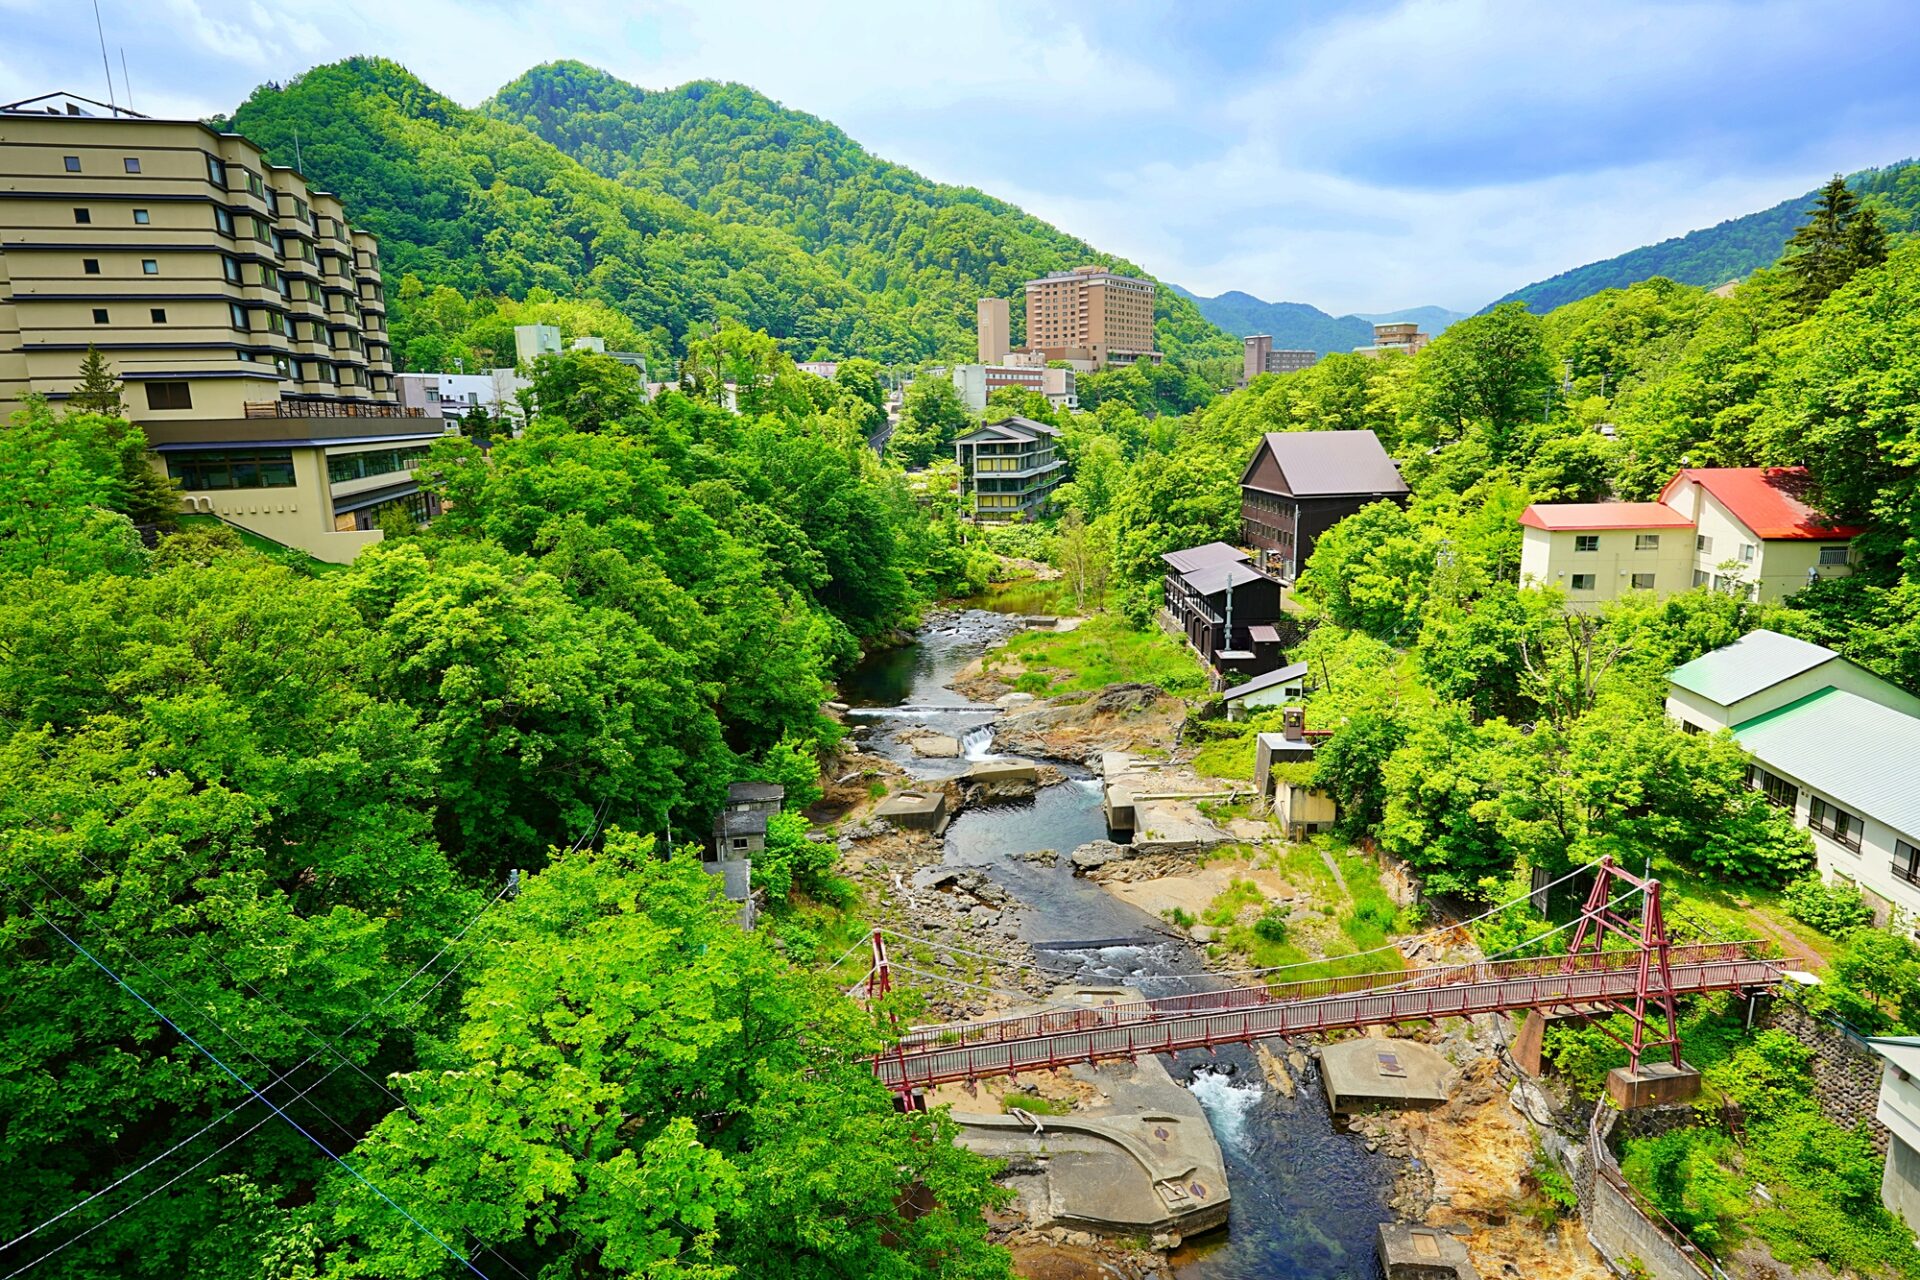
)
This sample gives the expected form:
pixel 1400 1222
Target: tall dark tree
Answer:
pixel 99 389
pixel 1838 238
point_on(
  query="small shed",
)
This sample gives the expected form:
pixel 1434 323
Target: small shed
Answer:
pixel 1272 689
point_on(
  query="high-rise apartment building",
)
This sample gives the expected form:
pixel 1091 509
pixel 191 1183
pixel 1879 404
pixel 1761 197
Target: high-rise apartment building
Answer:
pixel 243 313
pixel 1260 357
pixel 1091 314
pixel 996 330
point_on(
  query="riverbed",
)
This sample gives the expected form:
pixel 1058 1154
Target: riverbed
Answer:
pixel 1306 1199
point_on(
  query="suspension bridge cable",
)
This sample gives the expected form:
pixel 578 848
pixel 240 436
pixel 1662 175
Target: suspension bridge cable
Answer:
pixel 240 1080
pixel 244 1103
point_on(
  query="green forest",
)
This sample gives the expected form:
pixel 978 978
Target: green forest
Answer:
pixel 1730 251
pixel 677 211
pixel 397 835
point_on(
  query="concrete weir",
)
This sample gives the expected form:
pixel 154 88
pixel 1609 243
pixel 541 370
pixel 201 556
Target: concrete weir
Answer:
pixel 1375 1070
pixel 1142 1160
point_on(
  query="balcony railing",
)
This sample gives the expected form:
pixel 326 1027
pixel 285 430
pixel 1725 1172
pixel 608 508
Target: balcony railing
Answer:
pixel 328 409
pixel 1905 870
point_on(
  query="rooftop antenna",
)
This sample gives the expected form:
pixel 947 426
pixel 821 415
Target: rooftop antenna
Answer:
pixel 104 64
pixel 126 82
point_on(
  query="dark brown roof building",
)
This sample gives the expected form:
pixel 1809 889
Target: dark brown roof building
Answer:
pixel 1299 484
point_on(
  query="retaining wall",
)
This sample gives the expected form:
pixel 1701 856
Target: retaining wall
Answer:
pixel 1846 1072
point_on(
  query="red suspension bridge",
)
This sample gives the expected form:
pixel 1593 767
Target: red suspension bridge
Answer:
pixel 1641 979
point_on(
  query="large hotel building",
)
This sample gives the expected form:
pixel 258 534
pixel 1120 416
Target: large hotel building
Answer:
pixel 1090 314
pixel 243 313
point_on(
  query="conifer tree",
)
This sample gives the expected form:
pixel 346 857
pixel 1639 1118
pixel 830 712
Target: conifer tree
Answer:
pixel 1838 238
pixel 99 390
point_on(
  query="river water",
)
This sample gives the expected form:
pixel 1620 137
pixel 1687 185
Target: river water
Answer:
pixel 1306 1199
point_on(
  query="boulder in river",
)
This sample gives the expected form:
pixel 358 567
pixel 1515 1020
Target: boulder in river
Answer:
pixel 1098 853
pixel 935 746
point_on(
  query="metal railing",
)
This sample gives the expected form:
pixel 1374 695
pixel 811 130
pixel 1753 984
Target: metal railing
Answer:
pixel 1607 1169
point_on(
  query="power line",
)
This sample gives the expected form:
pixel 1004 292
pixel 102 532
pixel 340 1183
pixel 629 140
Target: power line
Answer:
pixel 375 1008
pixel 238 1079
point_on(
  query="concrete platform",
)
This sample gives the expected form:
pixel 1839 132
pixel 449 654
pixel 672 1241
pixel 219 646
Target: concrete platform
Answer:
pixel 915 810
pixel 1422 1253
pixel 993 771
pixel 1142 1162
pixel 1655 1084
pixel 1368 1070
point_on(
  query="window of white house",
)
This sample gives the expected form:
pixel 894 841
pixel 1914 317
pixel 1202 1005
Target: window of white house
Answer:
pixel 1906 862
pixel 1835 823
pixel 1702 543
pixel 1642 581
pixel 1586 542
pixel 1747 552
pixel 1646 542
pixel 1778 789
pixel 1583 582
pixel 1833 555
pixel 1699 577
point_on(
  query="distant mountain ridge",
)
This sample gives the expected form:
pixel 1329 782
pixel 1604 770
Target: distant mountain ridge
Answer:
pixel 732 153
pixel 1296 326
pixel 1731 250
pixel 702 203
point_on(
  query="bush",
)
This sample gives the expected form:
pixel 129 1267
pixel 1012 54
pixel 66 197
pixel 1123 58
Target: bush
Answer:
pixel 1831 908
pixel 1272 926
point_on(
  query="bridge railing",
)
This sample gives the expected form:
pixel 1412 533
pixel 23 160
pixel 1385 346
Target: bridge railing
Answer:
pixel 1134 1012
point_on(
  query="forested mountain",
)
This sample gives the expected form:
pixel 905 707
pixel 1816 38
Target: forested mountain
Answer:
pixel 1296 326
pixel 1730 251
pixel 924 250
pixel 484 207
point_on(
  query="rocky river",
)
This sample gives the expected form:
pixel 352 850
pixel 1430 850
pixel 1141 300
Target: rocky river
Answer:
pixel 1306 1197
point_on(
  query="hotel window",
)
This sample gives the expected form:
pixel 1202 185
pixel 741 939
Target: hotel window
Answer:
pixel 73 164
pixel 255 186
pixel 100 315
pixel 261 231
pixel 1642 581
pixel 149 267
pixel 1835 823
pixel 169 395
pixel 237 316
pixel 132 164
pixel 1583 582
pixel 1833 555
pixel 83 216
pixel 252 469
pixel 90 265
pixel 216 172
pixel 222 221
pixel 159 315
pixel 1586 542
pixel 1646 542
pixel 230 268
pixel 140 218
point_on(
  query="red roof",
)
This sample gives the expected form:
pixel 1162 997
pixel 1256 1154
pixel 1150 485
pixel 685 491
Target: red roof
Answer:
pixel 1771 501
pixel 1588 516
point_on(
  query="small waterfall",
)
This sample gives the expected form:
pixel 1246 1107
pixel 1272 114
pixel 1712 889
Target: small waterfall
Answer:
pixel 1226 1104
pixel 978 744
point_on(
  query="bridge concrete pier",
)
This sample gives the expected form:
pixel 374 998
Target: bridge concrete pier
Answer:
pixel 1654 1084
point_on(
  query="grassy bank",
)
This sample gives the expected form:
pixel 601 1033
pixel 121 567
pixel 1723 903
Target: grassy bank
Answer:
pixel 1103 650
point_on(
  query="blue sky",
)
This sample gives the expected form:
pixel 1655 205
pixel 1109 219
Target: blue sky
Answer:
pixel 1358 157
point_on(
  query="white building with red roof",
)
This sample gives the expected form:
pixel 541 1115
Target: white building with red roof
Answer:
pixel 1747 530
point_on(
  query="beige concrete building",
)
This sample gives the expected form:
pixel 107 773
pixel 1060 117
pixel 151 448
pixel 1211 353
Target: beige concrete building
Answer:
pixel 1400 337
pixel 1744 530
pixel 1089 313
pixel 1260 357
pixel 244 314
pixel 976 382
pixel 996 330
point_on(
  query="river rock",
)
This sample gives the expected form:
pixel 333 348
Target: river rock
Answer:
pixel 936 746
pixel 1201 933
pixel 937 877
pixel 1014 699
pixel 1098 853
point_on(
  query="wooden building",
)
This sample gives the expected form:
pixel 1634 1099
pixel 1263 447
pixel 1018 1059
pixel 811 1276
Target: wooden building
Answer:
pixel 1225 606
pixel 1299 484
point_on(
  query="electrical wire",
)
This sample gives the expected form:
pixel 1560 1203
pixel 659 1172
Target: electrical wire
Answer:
pixel 240 1080
pixel 375 1008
